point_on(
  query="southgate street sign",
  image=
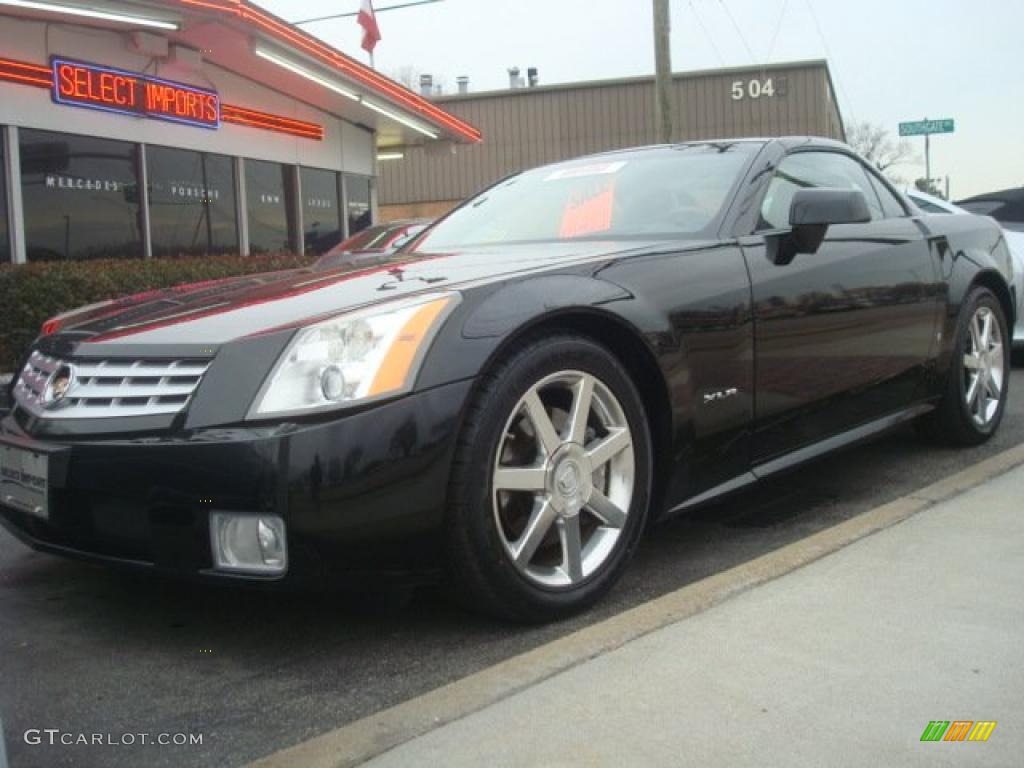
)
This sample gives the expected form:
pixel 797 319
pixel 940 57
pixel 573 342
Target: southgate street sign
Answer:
pixel 924 127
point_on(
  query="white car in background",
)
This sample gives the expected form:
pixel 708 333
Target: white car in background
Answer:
pixel 931 204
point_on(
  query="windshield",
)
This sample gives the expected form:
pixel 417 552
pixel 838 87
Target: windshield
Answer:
pixel 667 192
pixel 408 235
pixel 369 239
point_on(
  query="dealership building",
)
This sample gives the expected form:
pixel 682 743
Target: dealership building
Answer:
pixel 137 129
pixel 528 124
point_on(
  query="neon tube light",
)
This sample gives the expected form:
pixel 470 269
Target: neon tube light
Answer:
pixel 252 114
pixel 302 72
pixel 399 119
pixel 237 120
pixel 248 13
pixel 23 73
pixel 269 122
pixel 39 82
pixel 26 66
pixel 90 13
pixel 332 86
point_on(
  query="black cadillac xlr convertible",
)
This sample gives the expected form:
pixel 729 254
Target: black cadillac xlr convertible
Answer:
pixel 511 398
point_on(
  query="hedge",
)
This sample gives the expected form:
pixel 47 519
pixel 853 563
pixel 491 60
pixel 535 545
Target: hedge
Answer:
pixel 32 293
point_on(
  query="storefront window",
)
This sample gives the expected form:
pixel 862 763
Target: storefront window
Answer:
pixel 270 200
pixel 5 239
pixel 321 210
pixel 191 202
pixel 360 216
pixel 81 197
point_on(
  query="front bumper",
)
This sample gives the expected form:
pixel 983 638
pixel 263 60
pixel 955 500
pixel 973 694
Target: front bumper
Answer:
pixel 362 495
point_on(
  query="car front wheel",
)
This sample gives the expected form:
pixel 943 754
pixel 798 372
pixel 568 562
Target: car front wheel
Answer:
pixel 551 482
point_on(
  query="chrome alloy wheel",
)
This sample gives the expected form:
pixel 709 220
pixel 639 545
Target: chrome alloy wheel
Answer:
pixel 984 367
pixel 563 479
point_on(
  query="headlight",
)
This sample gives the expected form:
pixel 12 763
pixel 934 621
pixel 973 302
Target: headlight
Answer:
pixel 353 358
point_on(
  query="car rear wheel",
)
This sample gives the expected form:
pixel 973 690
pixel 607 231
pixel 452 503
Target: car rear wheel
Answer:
pixel 551 483
pixel 972 407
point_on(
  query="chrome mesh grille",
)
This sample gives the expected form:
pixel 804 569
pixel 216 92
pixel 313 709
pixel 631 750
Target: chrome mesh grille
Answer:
pixel 110 388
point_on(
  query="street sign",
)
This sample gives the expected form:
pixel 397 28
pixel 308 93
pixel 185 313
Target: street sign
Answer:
pixel 924 127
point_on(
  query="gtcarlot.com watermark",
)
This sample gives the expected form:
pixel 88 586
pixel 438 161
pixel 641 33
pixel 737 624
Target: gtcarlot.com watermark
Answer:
pixel 55 737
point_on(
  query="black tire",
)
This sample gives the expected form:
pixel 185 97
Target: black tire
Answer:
pixel 481 572
pixel 952 422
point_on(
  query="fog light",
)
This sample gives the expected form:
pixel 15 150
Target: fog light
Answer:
pixel 332 383
pixel 248 543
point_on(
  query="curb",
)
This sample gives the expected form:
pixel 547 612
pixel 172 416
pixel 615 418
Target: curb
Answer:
pixel 362 740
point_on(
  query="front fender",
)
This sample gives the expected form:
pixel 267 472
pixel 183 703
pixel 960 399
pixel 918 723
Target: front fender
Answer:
pixel 490 316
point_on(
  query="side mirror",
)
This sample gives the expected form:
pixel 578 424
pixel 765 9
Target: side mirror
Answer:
pixel 812 212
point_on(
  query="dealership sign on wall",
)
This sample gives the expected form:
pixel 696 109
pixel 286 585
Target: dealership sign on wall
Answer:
pixel 129 93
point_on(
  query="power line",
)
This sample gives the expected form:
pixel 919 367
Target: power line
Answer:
pixel 775 35
pixel 739 32
pixel 707 34
pixel 828 52
pixel 375 10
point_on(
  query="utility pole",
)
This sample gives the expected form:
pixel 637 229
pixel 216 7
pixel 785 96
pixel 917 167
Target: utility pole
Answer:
pixel 928 159
pixel 663 71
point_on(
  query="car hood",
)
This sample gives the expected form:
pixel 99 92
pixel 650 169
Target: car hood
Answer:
pixel 213 313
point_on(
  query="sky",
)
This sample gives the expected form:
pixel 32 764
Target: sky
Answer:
pixel 892 60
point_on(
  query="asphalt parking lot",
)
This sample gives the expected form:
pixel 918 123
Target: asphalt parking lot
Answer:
pixel 87 650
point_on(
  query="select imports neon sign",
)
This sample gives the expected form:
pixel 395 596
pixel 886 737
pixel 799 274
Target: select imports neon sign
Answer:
pixel 130 93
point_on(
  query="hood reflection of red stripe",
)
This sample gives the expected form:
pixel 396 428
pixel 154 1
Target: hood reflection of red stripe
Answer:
pixel 221 309
pixel 122 304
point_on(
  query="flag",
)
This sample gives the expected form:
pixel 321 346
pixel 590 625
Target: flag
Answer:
pixel 368 21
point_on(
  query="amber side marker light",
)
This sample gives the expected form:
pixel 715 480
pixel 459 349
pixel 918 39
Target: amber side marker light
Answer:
pixel 394 372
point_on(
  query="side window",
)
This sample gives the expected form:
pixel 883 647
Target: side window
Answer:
pixel 928 207
pixel 891 206
pixel 805 170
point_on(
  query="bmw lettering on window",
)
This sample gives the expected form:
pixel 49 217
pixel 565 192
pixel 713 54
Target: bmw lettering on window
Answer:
pixel 504 402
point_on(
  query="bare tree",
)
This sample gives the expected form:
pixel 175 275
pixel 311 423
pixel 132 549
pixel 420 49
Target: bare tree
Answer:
pixel 928 186
pixel 874 143
pixel 409 76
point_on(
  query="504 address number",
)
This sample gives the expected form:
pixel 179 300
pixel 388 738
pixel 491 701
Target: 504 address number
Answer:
pixel 752 89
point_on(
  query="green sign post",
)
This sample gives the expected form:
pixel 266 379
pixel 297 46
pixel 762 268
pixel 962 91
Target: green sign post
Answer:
pixel 926 128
